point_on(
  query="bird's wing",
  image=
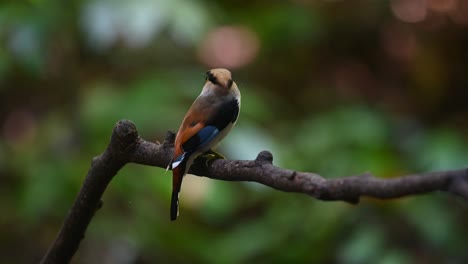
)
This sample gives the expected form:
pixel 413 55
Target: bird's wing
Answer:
pixel 198 140
pixel 226 113
pixel 201 125
pixel 187 130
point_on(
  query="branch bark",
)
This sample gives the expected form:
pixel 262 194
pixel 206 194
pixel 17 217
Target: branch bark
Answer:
pixel 127 147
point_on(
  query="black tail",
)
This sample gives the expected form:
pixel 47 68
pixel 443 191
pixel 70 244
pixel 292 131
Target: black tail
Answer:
pixel 174 205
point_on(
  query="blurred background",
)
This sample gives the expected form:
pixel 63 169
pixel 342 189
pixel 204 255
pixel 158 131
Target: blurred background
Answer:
pixel 333 87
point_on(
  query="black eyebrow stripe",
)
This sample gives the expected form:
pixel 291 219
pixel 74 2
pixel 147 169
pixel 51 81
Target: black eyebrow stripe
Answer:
pixel 212 78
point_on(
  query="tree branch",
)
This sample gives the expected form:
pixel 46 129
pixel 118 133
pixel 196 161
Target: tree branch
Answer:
pixel 126 146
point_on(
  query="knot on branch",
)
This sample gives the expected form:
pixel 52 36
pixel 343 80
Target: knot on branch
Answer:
pixel 170 138
pixel 124 135
pixel 264 157
pixel 459 184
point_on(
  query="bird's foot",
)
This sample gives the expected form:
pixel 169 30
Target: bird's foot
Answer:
pixel 215 154
pixel 211 156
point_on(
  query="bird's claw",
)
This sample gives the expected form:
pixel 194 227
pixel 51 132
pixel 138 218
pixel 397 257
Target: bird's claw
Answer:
pixel 211 156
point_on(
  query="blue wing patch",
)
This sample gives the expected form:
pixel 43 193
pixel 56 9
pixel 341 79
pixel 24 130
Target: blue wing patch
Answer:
pixel 203 137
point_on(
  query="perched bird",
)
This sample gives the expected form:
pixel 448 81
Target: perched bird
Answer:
pixel 207 122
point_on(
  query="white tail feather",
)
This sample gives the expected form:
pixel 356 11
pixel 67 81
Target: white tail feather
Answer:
pixel 169 165
pixel 175 164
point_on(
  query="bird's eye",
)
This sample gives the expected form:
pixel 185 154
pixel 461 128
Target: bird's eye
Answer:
pixel 211 78
pixel 229 84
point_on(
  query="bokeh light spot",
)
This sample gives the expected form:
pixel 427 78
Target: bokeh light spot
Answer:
pixel 398 42
pixel 19 128
pixel 230 47
pixel 409 11
pixel 442 5
pixel 459 14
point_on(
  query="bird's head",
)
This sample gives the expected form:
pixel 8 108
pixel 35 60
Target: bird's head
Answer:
pixel 220 81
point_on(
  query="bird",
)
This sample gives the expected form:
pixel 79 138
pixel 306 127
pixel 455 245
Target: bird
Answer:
pixel 210 118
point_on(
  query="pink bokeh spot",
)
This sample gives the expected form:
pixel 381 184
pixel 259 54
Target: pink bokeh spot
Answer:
pixel 230 47
pixel 411 11
pixel 442 5
pixel 19 128
pixel 399 42
pixel 459 14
